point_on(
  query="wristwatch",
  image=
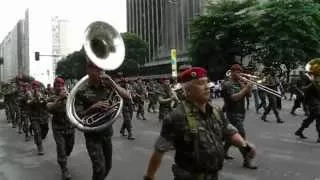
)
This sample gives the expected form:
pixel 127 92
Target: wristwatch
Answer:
pixel 146 178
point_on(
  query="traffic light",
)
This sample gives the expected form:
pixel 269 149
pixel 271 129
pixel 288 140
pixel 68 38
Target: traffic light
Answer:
pixel 37 56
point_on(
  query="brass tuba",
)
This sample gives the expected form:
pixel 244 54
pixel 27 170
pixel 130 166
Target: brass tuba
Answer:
pixel 105 48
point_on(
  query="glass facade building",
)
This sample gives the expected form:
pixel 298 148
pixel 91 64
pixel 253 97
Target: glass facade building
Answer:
pixel 163 25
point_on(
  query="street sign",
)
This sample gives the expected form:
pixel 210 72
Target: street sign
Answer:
pixel 174 63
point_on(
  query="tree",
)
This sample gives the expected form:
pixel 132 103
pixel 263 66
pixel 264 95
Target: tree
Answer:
pixel 73 66
pixel 220 35
pixel 274 32
pixel 136 53
pixel 287 32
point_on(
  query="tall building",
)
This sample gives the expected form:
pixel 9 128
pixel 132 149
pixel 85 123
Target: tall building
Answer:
pixel 164 25
pixel 12 53
pixel 61 42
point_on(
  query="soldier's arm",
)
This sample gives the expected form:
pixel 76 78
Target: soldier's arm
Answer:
pixel 162 145
pixel 164 100
pixel 227 92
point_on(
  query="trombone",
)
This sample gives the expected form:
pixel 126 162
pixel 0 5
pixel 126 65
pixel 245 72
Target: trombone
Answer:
pixel 249 77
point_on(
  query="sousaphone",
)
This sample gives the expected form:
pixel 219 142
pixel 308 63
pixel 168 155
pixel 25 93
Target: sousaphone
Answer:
pixel 105 48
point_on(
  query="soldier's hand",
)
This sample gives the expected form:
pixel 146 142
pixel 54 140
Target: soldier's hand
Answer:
pixel 100 105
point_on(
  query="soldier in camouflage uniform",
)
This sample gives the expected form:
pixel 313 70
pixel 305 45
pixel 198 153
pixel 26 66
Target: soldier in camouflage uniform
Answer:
pixel 5 90
pixel 62 129
pixel 20 101
pixel 152 96
pixel 38 115
pixel 234 92
pixel 165 99
pixel 98 143
pixel 25 111
pixel 127 113
pixel 140 95
pixel 13 106
pixel 195 129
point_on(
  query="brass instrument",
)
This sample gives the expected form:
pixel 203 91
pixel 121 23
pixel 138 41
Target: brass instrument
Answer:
pixel 105 48
pixel 258 82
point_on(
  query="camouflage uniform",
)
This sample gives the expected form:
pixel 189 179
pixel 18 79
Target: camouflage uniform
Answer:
pixel 152 96
pixel 199 149
pixel 140 94
pixel 99 145
pixel 63 133
pixel 38 118
pixel 25 114
pixel 127 113
pixel 165 107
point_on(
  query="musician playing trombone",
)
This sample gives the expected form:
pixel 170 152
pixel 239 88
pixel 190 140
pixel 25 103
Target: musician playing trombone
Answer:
pixel 93 98
pixel 234 92
pixel 62 129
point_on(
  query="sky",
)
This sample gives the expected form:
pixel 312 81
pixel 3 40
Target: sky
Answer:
pixel 113 11
pixel 80 13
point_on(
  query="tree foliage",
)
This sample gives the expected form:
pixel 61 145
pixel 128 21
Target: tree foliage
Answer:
pixel 274 32
pixel 73 66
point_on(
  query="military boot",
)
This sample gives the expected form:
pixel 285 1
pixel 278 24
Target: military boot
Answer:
pixel 65 174
pixel 299 133
pixel 40 150
pixel 247 163
pixel 130 136
pixel 264 118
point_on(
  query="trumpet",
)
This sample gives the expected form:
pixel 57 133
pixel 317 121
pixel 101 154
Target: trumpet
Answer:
pixel 258 82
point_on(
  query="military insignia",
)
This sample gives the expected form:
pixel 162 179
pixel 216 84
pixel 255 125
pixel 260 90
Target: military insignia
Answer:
pixel 193 74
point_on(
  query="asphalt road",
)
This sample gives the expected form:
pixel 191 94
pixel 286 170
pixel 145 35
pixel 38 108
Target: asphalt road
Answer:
pixel 280 155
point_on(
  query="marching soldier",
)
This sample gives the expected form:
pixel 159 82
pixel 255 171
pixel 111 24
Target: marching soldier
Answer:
pixel 38 115
pixel 99 145
pixel 165 99
pixel 63 130
pixel 25 111
pixel 312 99
pixel 127 112
pixel 234 93
pixel 195 129
pixel 271 83
pixel 140 94
pixel 152 96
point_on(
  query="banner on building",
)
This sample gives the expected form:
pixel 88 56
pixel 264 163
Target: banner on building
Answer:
pixel 174 63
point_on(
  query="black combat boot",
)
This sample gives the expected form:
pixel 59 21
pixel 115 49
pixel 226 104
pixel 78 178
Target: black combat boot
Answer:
pixel 247 163
pixel 65 174
pixel 122 132
pixel 130 137
pixel 40 150
pixel 279 121
pixel 263 118
pixel 299 133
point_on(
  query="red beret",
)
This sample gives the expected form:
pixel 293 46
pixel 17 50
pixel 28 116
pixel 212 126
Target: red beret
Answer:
pixel 58 80
pixel 35 83
pixel 236 67
pixel 192 74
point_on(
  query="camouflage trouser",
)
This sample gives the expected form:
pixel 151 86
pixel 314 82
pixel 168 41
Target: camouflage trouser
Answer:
pixel 100 151
pixel 236 119
pixel 127 117
pixel 140 110
pixel 152 102
pixel 64 143
pixel 25 121
pixel 40 130
pixel 181 174
pixel 7 111
pixel 163 111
